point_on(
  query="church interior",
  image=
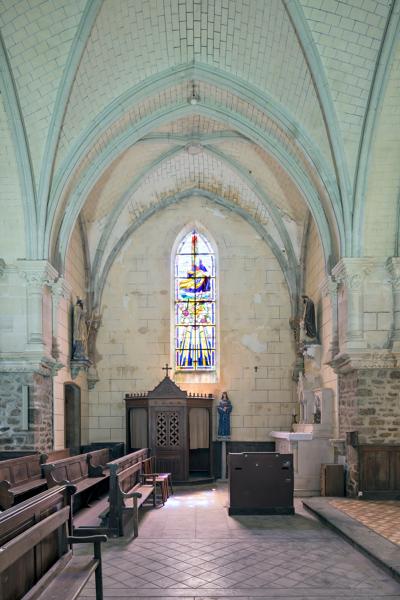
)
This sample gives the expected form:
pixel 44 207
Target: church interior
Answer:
pixel 199 246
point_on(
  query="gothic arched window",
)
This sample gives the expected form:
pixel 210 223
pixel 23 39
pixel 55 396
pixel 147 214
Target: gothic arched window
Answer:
pixel 195 312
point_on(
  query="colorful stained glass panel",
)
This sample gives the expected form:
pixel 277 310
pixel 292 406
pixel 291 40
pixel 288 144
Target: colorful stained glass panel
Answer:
pixel 195 304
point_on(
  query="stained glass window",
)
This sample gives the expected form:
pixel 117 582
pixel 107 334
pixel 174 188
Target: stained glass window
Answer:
pixel 195 304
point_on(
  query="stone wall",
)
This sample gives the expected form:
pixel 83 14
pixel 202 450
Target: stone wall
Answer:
pixel 136 335
pixel 369 405
pixel 39 435
pixel 75 277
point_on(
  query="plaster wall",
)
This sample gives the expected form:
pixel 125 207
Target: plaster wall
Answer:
pixel 134 341
pixel 75 276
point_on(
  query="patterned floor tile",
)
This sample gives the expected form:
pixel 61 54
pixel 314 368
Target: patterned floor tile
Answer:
pixel 251 558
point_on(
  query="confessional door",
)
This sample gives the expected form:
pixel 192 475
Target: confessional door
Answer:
pixel 168 433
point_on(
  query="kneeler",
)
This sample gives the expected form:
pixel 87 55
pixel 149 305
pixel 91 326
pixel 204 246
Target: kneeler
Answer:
pixel 164 480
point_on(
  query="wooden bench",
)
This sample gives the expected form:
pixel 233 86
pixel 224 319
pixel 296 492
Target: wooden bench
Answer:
pixel 19 479
pixel 54 455
pixel 36 561
pixel 163 480
pixel 97 462
pixel 128 492
pixel 75 470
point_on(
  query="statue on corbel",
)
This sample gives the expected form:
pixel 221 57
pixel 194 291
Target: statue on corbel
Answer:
pixel 79 355
pixel 308 323
pixel 93 328
pixel 305 337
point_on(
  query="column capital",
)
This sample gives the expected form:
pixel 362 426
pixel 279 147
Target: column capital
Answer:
pixel 37 273
pixel 329 286
pixel 345 362
pixel 351 272
pixel 61 289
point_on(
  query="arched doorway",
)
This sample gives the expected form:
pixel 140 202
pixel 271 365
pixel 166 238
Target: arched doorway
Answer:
pixel 72 395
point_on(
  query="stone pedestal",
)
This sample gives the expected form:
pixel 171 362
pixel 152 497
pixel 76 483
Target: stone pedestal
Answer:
pixel 310 449
pixel 309 442
pixel 223 460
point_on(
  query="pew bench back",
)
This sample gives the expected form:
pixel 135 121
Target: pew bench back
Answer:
pixel 97 461
pixel 54 455
pixel 16 580
pixel 19 477
pixel 35 559
pixel 72 469
pixel 127 492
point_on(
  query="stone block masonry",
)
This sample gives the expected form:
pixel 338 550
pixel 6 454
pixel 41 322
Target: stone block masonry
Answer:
pixel 39 434
pixel 369 404
pixel 255 353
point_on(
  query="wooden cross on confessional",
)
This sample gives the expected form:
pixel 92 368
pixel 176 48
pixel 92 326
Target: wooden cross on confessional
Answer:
pixel 167 368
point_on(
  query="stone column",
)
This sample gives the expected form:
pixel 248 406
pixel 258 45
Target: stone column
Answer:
pixel 26 361
pixel 37 275
pixel 350 274
pixel 367 368
pixel 61 290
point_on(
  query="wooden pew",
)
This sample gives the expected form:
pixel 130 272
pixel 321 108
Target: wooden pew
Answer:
pixel 97 462
pixel 75 470
pixel 54 455
pixel 19 479
pixel 127 493
pixel 35 559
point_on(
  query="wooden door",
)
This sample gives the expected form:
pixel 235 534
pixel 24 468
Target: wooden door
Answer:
pixel 73 417
pixel 170 441
pixel 380 471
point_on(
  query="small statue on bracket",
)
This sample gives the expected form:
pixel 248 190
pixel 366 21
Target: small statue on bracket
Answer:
pixel 224 409
pixel 317 411
pixel 79 332
pixel 308 321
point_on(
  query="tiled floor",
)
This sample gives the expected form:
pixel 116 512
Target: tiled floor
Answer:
pixel 191 549
pixel 382 517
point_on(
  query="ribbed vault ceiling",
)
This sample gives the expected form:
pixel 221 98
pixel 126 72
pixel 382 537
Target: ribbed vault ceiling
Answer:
pixel 293 100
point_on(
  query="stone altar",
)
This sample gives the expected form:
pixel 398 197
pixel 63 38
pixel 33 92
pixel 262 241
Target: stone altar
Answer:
pixel 310 440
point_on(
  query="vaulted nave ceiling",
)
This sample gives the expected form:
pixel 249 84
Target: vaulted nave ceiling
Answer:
pixel 112 109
